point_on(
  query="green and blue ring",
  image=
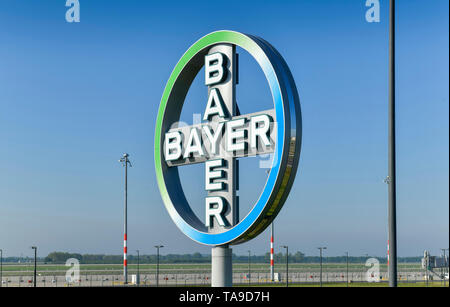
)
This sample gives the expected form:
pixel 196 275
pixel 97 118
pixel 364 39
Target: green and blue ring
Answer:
pixel 287 147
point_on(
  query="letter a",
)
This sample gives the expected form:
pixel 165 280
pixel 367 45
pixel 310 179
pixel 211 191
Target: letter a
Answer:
pixel 373 13
pixel 214 105
pixel 73 13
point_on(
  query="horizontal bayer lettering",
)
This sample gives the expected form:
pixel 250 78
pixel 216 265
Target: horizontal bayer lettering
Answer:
pixel 243 136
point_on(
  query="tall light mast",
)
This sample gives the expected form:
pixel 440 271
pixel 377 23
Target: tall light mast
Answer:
pixel 125 161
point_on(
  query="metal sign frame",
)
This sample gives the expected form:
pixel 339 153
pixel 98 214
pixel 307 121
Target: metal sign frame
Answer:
pixel 287 144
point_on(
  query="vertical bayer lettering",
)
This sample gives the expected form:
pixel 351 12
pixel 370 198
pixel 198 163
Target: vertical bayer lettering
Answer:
pixel 220 173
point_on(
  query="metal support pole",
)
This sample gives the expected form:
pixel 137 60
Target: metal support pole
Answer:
pixel 35 269
pixel 249 267
pixel 391 153
pixel 321 267
pixel 321 249
pixel 221 266
pixel 347 269
pixel 157 263
pixel 1 268
pixel 426 268
pixel 272 271
pixel 287 264
pixel 138 277
pixel 125 161
pixel 157 267
pixel 125 228
pixel 445 264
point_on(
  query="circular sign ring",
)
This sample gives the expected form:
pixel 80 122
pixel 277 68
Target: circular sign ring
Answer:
pixel 287 147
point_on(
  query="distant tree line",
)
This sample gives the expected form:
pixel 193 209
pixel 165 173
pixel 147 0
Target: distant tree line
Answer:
pixel 298 257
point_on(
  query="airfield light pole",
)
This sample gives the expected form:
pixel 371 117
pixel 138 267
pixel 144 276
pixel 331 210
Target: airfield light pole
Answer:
pixel 35 256
pixel 391 153
pixel 272 271
pixel 157 263
pixel 321 249
pixel 1 268
pixel 445 263
pixel 249 267
pixel 347 268
pixel 138 278
pixel 124 160
pixel 427 263
pixel 287 264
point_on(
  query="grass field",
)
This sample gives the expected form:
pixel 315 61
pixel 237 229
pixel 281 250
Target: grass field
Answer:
pixel 364 285
pixel 300 275
pixel 112 269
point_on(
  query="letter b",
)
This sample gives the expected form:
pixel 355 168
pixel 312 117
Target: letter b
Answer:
pixel 214 68
pixel 172 146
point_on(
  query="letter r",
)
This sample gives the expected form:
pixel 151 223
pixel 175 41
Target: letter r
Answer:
pixel 215 207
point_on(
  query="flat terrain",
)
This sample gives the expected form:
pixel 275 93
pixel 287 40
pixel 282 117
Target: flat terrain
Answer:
pixel 116 269
pixel 300 275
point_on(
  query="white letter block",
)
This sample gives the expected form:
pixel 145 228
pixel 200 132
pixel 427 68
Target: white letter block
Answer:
pixel 257 131
pixel 214 68
pixel 233 136
pixel 172 148
pixel 214 208
pixel 211 174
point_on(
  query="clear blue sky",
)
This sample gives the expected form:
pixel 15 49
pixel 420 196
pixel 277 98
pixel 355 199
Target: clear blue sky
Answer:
pixel 74 97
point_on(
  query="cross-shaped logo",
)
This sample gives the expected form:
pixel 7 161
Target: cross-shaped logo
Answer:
pixel 226 135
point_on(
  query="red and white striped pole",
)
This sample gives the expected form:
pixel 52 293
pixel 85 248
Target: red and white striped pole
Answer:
pixel 388 259
pixel 125 258
pixel 125 163
pixel 272 273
